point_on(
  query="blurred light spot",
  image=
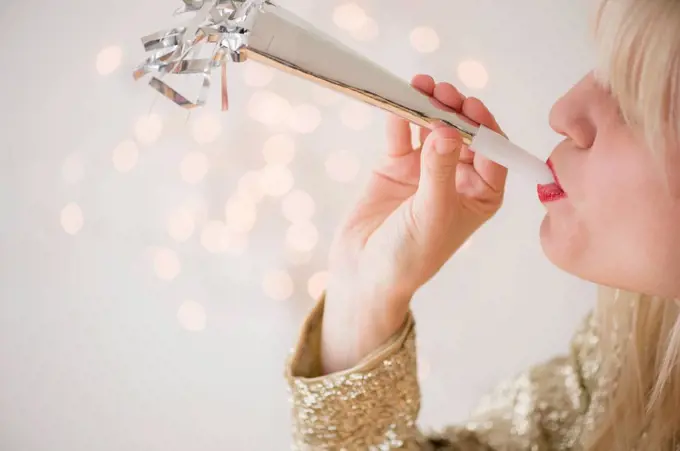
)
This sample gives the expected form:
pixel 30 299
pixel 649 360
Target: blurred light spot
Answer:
pixel 206 129
pixel 250 186
pixel 181 224
pixel 278 285
pixel 166 264
pixel 241 214
pixel 125 156
pixel 298 206
pixel 297 258
pixel 194 167
pixel 108 60
pixel 73 169
pixel 277 180
pixel 148 128
pixel 191 316
pixel 368 31
pixel 304 118
pixel 342 166
pixel 72 218
pixel 268 108
pixel 257 74
pixel 238 243
pixel 302 236
pixel 215 237
pixel 349 16
pixel 279 150
pixel 317 284
pixel 356 116
pixel 424 39
pixel 473 74
pixel 325 96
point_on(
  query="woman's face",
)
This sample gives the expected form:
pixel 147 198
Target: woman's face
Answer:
pixel 619 224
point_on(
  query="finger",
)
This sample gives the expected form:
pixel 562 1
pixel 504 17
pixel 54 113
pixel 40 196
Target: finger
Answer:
pixel 474 109
pixel 424 84
pixel 398 136
pixel 445 97
pixel 492 173
pixel 399 133
pixel 437 186
pixel 449 96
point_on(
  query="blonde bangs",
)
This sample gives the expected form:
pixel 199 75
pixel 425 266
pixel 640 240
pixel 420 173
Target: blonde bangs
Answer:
pixel 638 50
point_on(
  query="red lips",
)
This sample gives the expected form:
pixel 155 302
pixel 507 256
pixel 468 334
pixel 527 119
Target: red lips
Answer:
pixel 553 191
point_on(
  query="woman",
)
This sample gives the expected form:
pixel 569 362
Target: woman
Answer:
pixel 614 221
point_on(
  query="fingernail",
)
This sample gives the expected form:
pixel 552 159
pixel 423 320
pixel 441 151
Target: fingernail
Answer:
pixel 446 146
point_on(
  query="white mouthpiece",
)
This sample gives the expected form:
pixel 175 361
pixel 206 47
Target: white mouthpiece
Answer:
pixel 499 149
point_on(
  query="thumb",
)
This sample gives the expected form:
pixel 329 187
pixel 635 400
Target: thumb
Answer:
pixel 437 187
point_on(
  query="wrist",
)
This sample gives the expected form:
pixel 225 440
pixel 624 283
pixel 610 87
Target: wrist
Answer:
pixel 354 327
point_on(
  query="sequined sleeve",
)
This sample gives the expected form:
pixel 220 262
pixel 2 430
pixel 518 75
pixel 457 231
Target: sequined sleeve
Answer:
pixel 374 406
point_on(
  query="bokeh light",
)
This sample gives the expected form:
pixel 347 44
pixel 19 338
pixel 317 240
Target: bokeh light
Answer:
pixel 368 31
pixel 298 206
pixel 241 214
pixel 349 16
pixel 237 243
pixel 317 284
pixel 125 156
pixel 148 128
pixel 278 285
pixel 279 149
pixel 297 258
pixel 194 167
pixel 342 166
pixel 191 316
pixel 424 39
pixel 304 118
pixel 166 264
pixel 268 108
pixel 206 129
pixel 277 180
pixel 302 236
pixel 473 74
pixel 356 115
pixel 72 218
pixel 181 224
pixel 257 74
pixel 250 186
pixel 109 59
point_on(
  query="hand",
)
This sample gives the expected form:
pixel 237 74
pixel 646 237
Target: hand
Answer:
pixel 419 207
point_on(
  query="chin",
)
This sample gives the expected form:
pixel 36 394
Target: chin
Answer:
pixel 562 246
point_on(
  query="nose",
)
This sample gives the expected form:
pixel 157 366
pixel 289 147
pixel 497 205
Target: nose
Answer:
pixel 571 116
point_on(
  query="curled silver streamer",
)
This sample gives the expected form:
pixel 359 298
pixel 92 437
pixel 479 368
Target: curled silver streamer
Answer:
pixel 225 24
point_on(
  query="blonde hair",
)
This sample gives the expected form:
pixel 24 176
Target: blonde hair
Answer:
pixel 638 43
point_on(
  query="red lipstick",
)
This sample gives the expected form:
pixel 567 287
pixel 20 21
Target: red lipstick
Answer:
pixel 553 191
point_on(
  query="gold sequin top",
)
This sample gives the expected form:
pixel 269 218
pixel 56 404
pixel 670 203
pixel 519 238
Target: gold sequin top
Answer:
pixel 374 406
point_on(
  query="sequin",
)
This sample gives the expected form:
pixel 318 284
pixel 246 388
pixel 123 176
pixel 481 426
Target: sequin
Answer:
pixel 375 405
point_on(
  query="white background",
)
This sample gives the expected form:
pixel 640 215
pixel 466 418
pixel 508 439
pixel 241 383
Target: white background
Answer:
pixel 118 334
